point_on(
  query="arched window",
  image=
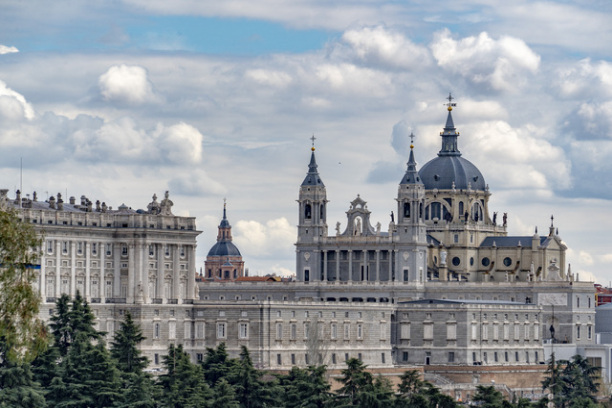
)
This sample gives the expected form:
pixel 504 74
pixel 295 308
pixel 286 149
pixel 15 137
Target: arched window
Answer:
pixel 460 207
pixel 307 211
pixel 437 211
pixel 407 210
pixel 476 212
pixel 322 212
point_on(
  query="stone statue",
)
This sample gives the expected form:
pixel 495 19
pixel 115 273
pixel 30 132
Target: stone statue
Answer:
pixel 505 219
pixel 495 218
pixel 443 257
pixel 392 217
pixel 378 227
pixel 338 228
pixel 166 205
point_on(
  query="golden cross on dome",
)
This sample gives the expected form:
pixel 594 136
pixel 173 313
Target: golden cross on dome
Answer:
pixel 313 138
pixel 412 140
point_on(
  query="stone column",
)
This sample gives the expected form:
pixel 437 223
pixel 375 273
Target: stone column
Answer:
pixel 117 248
pixel 72 269
pixel 390 277
pixel 191 273
pixel 324 266
pixel 132 273
pixel 350 265
pixel 58 269
pixel 42 276
pixel 160 273
pixel 338 252
pixel 87 293
pixel 377 278
pixel 176 279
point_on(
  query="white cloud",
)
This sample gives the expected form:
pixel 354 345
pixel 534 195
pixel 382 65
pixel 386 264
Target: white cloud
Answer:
pixel 13 105
pixel 579 79
pixel 269 77
pixel 195 182
pixel 4 49
pixel 499 64
pixel 259 240
pixel 381 47
pixel 181 143
pixel 126 84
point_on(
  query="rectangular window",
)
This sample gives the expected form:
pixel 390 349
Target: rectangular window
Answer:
pixel 187 330
pixel 347 331
pixel 485 332
pixel 359 356
pixel 517 333
pixel 589 332
pixel 506 356
pixel 428 332
pixel 474 331
pixel 156 358
pixel 495 332
pixel 404 356
pixel 306 359
pixel 526 332
pixel 292 359
pixel 171 330
pixel 506 332
pixel 293 334
pixel 306 330
pixel 279 331
pixel 382 358
pixel 279 360
pixel 405 331
pixel 333 358
pixel 495 357
pixel 243 331
pixel 334 331
pixel 451 332
pixel 383 331
pixel 451 356
pixel 156 331
pixel 578 332
pixel 346 356
pixel 221 330
pixel 516 356
pixel 199 357
pixel 200 330
pixel 359 331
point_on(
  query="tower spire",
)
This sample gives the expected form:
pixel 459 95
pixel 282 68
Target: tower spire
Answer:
pixel 412 175
pixel 313 178
pixel 449 134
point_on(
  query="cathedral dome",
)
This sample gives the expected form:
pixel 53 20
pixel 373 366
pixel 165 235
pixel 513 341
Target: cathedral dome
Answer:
pixel 450 170
pixel 443 171
pixel 224 248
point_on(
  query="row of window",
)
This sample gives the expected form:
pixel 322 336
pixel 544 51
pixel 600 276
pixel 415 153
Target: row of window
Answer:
pixel 108 248
pixel 333 331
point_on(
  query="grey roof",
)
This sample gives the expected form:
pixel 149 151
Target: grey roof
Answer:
pixel 510 242
pixel 412 175
pixel 312 178
pixel 449 167
pixel 224 248
pixel 224 222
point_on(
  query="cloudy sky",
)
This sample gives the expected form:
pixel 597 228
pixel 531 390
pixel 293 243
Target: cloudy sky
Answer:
pixel 118 100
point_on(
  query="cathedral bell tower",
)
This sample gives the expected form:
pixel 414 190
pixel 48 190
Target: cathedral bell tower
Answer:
pixel 312 220
pixel 410 227
pixel 411 202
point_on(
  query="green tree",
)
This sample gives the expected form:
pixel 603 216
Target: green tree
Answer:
pixel 183 384
pixel 488 397
pixel 251 390
pixel 305 388
pixel 572 383
pixel 137 385
pixel 17 386
pixel 224 395
pixel 20 328
pixel 217 364
pixel 354 379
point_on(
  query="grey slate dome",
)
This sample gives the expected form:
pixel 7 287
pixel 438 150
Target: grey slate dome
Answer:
pixel 449 167
pixel 224 248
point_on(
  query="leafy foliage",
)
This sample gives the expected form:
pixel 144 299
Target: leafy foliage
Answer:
pixel 572 383
pixel 20 328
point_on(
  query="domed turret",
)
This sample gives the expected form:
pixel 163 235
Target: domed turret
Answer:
pixel 224 260
pixel 449 170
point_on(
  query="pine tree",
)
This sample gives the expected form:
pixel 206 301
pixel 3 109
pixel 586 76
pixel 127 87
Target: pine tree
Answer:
pixel 251 391
pixel 183 384
pixel 354 379
pixel 224 395
pixel 217 364
pixel 17 386
pixel 306 388
pixel 137 385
